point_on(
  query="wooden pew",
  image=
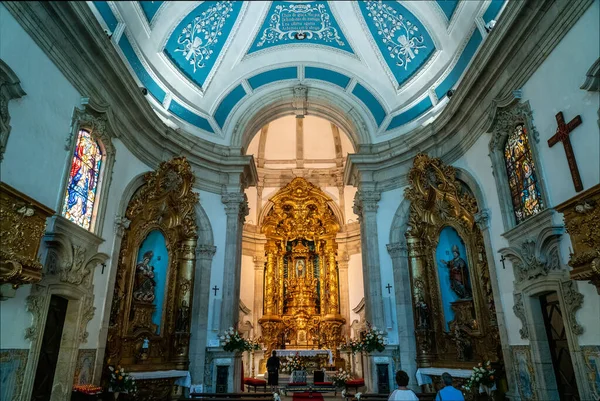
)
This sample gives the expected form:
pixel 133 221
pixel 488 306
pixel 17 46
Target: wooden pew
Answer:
pixel 232 396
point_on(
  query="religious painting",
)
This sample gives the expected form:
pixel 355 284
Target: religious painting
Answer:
pixel 151 273
pixel 84 372
pixel 524 372
pixel 591 354
pixel 522 175
pixel 453 271
pixel 300 268
pixel 82 185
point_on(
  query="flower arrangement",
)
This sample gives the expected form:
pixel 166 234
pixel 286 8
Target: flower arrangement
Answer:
pixel 340 377
pixel 483 375
pixel 291 363
pixel 120 381
pixel 232 341
pixel 372 340
pixel 353 346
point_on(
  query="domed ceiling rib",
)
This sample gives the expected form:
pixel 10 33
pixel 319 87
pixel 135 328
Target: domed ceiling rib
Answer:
pixel 202 62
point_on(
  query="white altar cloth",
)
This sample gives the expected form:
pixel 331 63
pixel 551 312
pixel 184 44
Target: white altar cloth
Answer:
pixel 185 380
pixel 305 352
pixel 424 374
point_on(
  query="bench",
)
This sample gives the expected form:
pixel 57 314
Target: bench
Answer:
pixel 318 387
pixel 232 396
pixel 354 384
pixel 384 397
pixel 251 382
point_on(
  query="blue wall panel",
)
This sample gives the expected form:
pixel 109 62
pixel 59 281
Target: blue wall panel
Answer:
pixel 150 8
pixel 410 114
pixel 190 117
pixel 324 74
pixel 448 7
pixel 493 10
pixel 140 70
pixel 107 14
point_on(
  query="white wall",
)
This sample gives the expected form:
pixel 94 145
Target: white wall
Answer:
pixel 35 159
pixel 356 287
pixel 247 283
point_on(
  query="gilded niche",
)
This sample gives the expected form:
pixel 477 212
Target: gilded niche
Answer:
pixel 150 312
pixel 582 221
pixel 301 301
pixel 22 225
pixel 455 317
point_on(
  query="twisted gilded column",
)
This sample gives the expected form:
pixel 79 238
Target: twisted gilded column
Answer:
pixel 365 207
pixel 333 301
pixel 236 209
pixel 269 277
pixel 421 301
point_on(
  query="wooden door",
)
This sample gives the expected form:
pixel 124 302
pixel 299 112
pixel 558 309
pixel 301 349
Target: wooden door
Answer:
pixel 44 375
pixel 559 348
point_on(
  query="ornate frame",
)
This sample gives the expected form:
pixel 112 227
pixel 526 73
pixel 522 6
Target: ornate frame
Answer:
pixel 507 114
pixel 436 201
pixel 10 88
pixel 166 203
pixel 524 349
pixel 97 125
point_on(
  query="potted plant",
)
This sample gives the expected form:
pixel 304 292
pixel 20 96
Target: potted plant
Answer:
pixel 121 382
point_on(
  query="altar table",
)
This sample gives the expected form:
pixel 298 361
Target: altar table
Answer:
pixel 184 378
pixel 305 352
pixel 424 374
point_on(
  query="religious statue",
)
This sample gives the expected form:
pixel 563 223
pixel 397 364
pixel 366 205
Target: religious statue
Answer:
pixel 300 267
pixel 144 280
pixel 181 324
pixel 422 314
pixel 459 274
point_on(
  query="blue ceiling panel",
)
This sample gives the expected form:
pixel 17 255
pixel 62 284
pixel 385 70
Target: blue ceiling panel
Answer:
pixel 464 59
pixel 195 44
pixel 107 14
pixel 371 102
pixel 190 117
pixel 410 114
pixel 324 74
pixel 150 8
pixel 228 103
pixel 448 7
pixel 493 10
pixel 140 71
pixel 311 18
pixel 401 38
pixel 270 76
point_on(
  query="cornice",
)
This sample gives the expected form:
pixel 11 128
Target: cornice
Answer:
pixel 527 33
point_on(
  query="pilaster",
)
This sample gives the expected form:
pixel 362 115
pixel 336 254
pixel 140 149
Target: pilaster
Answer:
pixel 236 209
pixel 342 261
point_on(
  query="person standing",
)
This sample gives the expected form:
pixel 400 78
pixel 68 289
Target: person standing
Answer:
pixel 449 393
pixel 402 393
pixel 273 371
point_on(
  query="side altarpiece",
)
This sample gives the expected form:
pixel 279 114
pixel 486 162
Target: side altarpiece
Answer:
pixel 453 304
pixel 149 326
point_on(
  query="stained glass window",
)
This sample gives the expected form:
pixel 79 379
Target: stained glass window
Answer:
pixel 522 175
pixel 82 184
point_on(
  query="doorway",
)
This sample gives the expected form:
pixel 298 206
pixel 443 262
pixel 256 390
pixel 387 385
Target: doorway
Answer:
pixel 44 375
pixel 559 348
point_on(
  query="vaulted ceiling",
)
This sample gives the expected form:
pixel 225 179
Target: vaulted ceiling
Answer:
pixel 205 63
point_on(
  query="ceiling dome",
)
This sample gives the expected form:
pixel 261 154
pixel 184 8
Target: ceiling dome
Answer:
pixel 205 64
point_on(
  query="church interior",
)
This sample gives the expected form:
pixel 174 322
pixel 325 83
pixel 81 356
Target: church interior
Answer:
pixel 359 188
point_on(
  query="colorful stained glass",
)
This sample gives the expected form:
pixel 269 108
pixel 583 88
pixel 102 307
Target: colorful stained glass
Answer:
pixel 82 185
pixel 522 176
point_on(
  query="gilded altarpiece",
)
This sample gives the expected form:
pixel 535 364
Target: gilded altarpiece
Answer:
pixel 455 317
pixel 150 314
pixel 301 286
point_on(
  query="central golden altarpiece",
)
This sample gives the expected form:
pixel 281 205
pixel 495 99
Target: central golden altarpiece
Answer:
pixel 301 307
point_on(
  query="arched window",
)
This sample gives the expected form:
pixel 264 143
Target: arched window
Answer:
pixel 81 193
pixel 522 175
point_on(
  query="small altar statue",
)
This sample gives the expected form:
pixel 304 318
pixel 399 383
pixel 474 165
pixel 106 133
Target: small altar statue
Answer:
pixel 144 280
pixel 145 349
pixel 459 275
pixel 300 268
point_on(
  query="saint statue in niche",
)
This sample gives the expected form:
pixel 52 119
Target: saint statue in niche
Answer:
pixel 300 267
pixel 144 280
pixel 459 274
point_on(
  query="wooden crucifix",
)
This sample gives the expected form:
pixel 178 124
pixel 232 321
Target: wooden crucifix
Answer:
pixel 562 135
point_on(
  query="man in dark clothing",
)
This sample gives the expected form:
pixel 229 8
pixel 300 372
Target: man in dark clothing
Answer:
pixel 273 371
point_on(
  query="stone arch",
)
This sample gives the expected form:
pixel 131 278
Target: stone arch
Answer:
pixel 340 110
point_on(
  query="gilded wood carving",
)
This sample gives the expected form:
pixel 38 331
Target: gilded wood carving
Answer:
pixel 439 202
pixel 137 340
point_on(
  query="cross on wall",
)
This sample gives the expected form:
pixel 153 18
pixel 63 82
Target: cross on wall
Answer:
pixel 215 289
pixel 562 135
pixel 389 287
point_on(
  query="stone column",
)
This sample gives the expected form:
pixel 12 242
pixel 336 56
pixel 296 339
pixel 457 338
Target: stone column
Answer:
pixel 236 208
pixel 199 327
pixel 482 220
pixel 404 311
pixel 422 301
pixel 343 260
pixel 365 207
pixel 259 277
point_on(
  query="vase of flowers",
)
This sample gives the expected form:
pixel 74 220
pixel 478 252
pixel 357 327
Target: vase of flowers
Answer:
pixel 121 382
pixel 353 346
pixel 232 341
pixel 292 363
pixel 483 379
pixel 340 378
pixel 372 340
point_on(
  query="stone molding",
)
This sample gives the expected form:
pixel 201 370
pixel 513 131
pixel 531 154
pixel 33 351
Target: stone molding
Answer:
pixel 236 203
pixel 592 78
pixel 519 310
pixel 397 250
pixel 10 88
pixel 365 201
pixel 205 252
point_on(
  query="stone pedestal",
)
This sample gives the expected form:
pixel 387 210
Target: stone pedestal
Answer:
pixel 217 361
pixel 370 370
